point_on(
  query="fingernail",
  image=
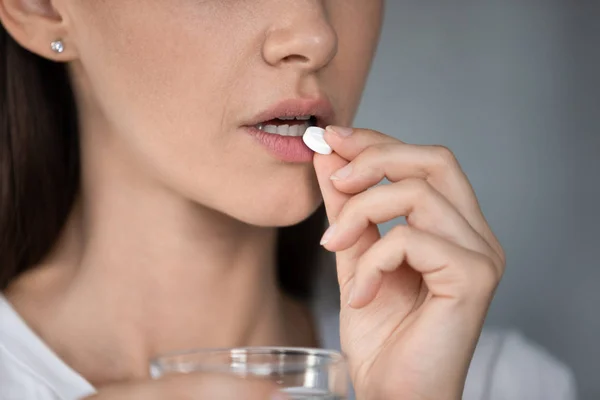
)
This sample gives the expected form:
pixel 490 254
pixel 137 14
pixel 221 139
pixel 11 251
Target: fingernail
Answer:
pixel 342 173
pixel 341 131
pixel 328 235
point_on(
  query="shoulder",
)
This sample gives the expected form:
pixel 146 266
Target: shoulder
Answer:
pixel 507 365
pixel 29 369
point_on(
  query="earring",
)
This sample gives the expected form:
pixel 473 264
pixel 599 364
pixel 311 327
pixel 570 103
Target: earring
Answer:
pixel 57 46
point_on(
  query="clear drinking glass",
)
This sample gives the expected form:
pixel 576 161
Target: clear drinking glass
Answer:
pixel 302 373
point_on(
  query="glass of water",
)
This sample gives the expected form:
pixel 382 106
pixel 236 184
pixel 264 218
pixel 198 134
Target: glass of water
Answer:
pixel 301 373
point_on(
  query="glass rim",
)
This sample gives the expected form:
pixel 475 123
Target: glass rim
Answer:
pixel 314 351
pixel 331 357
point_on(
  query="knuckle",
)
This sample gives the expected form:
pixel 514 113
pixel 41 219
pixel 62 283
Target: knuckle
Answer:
pixel 499 262
pixel 419 187
pixel 353 207
pixel 372 160
pixel 502 255
pixel 400 234
pixel 368 163
pixel 444 155
pixel 422 203
pixel 372 170
pixel 479 281
pixel 355 212
pixel 486 277
pixel 376 151
pixel 498 250
pixel 423 221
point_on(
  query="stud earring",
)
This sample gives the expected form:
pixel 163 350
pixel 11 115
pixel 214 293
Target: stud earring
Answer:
pixel 57 46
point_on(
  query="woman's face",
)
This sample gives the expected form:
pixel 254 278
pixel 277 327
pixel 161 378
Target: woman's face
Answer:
pixel 174 84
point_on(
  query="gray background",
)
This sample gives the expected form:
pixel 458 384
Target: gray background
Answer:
pixel 513 88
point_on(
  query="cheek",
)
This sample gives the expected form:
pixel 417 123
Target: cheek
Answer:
pixel 154 79
pixel 151 72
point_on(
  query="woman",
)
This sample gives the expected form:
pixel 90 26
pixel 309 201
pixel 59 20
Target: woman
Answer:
pixel 148 190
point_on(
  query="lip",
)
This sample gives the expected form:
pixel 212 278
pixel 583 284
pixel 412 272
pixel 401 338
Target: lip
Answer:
pixel 319 107
pixel 290 149
pixel 287 148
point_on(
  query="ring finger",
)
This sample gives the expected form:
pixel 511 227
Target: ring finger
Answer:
pixel 448 270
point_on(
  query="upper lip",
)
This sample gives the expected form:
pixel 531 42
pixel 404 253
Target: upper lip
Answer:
pixel 319 107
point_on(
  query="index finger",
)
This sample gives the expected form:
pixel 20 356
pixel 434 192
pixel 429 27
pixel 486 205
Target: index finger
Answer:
pixel 350 142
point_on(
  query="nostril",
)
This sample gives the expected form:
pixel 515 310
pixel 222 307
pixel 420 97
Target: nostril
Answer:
pixel 295 58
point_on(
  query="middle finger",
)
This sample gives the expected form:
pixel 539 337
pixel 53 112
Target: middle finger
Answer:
pixel 375 156
pixel 396 161
pixel 424 208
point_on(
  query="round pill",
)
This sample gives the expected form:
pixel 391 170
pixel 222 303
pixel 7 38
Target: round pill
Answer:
pixel 313 138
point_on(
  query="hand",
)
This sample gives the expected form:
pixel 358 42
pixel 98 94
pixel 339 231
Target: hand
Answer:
pixel 191 386
pixel 419 295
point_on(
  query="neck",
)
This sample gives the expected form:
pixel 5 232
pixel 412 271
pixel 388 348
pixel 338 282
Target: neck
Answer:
pixel 139 272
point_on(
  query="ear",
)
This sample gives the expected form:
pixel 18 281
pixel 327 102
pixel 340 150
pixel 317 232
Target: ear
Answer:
pixel 35 24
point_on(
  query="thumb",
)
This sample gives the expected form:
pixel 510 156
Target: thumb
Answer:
pixel 325 166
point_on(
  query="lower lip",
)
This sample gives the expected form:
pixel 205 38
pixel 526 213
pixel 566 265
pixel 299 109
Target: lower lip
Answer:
pixel 286 148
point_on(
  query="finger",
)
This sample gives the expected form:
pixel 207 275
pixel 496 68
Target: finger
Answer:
pixel 334 202
pixel 191 386
pixel 375 156
pixel 423 206
pixel 448 270
pixel 349 145
pixel 395 161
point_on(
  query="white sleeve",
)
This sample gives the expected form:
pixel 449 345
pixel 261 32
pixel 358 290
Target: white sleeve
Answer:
pixel 520 369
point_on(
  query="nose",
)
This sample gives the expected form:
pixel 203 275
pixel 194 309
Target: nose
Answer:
pixel 301 36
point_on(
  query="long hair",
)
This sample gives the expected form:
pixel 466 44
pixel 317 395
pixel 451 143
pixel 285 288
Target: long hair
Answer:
pixel 40 172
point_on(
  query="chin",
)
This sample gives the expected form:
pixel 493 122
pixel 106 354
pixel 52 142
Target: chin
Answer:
pixel 278 214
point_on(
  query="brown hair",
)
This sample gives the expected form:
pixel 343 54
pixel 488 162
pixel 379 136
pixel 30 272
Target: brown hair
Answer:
pixel 39 172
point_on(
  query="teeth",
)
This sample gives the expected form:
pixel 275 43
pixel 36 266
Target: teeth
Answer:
pixel 270 128
pixel 285 130
pixel 300 118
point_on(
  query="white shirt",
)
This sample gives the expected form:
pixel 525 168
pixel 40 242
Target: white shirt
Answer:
pixel 505 366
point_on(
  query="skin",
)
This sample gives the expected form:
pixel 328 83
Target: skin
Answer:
pixel 178 207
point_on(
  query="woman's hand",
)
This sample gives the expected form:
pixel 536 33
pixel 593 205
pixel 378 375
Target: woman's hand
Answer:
pixel 417 296
pixel 191 386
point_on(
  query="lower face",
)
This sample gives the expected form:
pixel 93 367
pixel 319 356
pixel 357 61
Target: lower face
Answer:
pixel 182 85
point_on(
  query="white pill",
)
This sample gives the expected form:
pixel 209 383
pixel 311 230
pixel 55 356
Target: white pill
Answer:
pixel 313 138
